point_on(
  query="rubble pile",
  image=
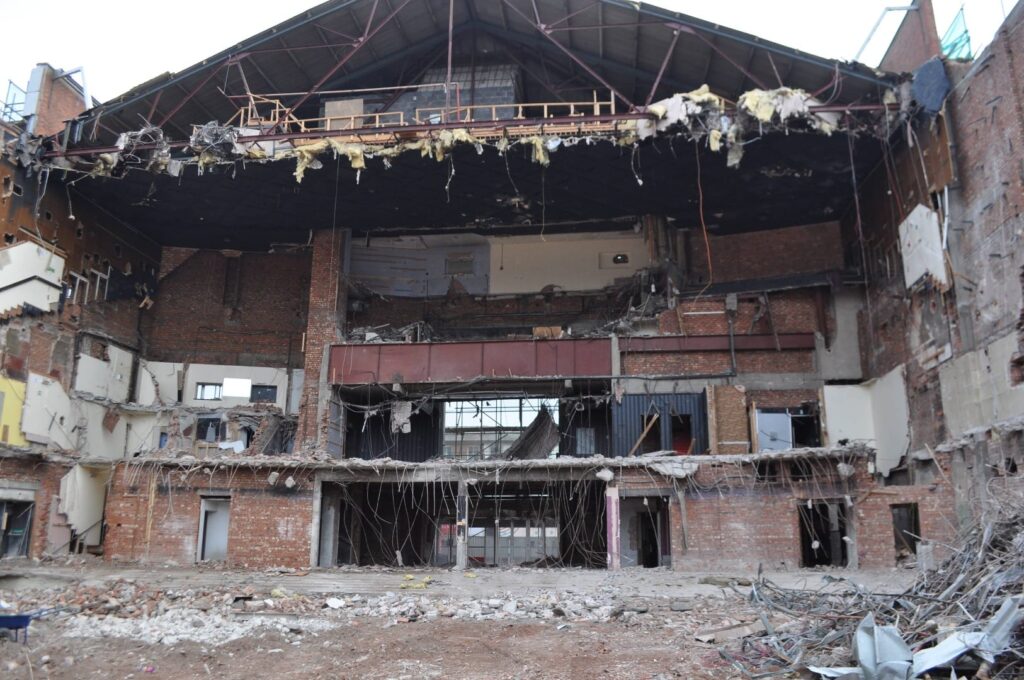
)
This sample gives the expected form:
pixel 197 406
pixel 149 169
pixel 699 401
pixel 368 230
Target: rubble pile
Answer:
pixel 128 609
pixel 964 616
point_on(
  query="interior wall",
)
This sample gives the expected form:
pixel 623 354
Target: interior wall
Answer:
pixel 570 262
pixel 977 389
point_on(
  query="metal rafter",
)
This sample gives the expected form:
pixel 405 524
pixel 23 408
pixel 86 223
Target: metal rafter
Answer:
pixel 611 88
pixel 744 70
pixel 192 93
pixel 351 53
pixel 664 64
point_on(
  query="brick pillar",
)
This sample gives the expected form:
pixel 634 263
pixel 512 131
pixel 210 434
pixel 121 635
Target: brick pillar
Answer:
pixel 325 326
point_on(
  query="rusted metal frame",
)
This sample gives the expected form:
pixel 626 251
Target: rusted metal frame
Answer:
pixel 570 16
pixel 636 54
pixel 594 27
pixel 199 105
pixel 152 107
pixel 262 74
pixel 775 69
pixel 346 36
pixel 550 87
pixel 351 53
pixel 398 23
pixel 600 34
pixel 448 72
pixel 593 74
pixel 746 70
pixel 664 65
pixel 296 48
pixel 369 21
pixel 214 70
pixel 707 64
pixel 568 9
pixel 692 31
pixel 298 66
pixel 536 12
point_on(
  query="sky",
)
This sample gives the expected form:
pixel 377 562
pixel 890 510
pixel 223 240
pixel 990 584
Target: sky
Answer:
pixel 122 43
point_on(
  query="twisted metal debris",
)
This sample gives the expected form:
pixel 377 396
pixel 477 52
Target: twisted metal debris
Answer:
pixel 961 616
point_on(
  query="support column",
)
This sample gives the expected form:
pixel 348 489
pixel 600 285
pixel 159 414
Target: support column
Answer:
pixel 461 530
pixel 612 517
pixel 325 324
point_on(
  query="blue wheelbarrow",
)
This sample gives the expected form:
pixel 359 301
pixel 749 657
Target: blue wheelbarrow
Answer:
pixel 16 625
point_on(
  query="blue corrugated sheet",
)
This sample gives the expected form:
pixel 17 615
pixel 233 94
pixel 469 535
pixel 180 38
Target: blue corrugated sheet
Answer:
pixel 628 419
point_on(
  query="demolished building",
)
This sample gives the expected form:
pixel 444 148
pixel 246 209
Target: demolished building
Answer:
pixel 502 283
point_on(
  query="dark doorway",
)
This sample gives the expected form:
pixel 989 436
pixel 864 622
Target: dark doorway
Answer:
pixel 650 550
pixel 682 434
pixel 906 527
pixel 15 520
pixel 822 534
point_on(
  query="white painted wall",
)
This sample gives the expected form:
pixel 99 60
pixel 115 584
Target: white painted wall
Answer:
pixel 108 379
pixel 23 261
pixel 976 389
pixel 82 495
pixel 921 247
pixel 46 418
pixel 160 375
pixel 875 413
pixel 848 414
pixel 573 262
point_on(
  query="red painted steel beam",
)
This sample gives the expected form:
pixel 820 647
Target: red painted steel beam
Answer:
pixel 192 93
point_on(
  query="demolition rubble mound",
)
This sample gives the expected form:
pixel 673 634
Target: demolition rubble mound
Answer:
pixel 963 617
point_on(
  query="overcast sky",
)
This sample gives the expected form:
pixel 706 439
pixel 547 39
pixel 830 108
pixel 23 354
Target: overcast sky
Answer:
pixel 122 43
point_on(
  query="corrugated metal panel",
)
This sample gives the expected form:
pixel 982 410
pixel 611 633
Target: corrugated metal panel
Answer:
pixel 628 418
pixel 377 441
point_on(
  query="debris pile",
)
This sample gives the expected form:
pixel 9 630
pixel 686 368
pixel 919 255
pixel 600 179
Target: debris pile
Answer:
pixel 962 616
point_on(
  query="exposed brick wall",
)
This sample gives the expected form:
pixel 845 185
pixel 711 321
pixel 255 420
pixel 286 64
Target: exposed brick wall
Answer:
pixel 916 41
pixel 781 398
pixel 328 301
pixel 248 310
pixel 734 520
pixel 58 101
pixel 728 421
pixel 765 254
pixel 707 363
pixel 47 475
pixel 269 525
pixel 792 311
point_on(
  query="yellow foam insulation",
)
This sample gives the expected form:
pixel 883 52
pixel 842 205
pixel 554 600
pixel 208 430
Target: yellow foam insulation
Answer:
pixel 704 95
pixel 758 103
pixel 658 110
pixel 715 140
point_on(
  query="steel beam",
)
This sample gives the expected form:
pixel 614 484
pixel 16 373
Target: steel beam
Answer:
pixel 582 64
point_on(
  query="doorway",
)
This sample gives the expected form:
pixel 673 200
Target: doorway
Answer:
pixel 823 534
pixel 15 520
pixel 213 529
pixel 650 548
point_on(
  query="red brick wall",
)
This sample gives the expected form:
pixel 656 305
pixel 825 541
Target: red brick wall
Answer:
pixel 706 363
pixel 194 320
pixel 58 101
pixel 734 521
pixel 48 476
pixel 269 525
pixel 328 299
pixel 916 41
pixel 806 249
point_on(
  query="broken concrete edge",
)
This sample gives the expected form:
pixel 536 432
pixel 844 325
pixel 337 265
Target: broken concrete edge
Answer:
pixel 668 463
pixel 698 116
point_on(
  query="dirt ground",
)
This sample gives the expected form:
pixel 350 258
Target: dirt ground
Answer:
pixel 649 632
